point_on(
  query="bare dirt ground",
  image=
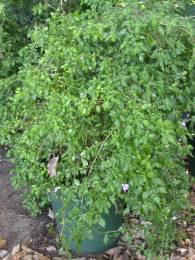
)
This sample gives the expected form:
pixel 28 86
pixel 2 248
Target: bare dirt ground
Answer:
pixel 16 224
pixel 25 238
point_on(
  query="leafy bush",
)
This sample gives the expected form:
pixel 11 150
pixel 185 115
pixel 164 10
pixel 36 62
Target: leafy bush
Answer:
pixel 104 89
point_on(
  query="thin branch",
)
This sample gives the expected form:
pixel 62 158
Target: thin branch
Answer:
pixel 101 147
pixel 62 7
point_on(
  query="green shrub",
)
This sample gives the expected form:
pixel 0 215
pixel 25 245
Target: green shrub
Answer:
pixel 105 91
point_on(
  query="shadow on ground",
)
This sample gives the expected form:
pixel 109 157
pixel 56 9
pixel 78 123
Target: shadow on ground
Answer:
pixel 16 224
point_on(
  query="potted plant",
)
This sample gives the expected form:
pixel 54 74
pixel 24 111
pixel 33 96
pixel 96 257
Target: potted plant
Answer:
pixel 99 237
pixel 70 206
pixel 99 89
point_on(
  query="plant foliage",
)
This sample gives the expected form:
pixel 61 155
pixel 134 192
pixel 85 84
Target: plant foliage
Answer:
pixel 103 87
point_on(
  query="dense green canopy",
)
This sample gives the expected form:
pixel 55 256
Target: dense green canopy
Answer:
pixel 102 85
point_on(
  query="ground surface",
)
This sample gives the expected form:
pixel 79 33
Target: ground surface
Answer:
pixel 16 224
pixel 25 238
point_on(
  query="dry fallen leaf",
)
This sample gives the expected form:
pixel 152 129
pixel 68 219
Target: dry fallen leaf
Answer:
pixel 182 250
pixel 187 242
pixel 191 254
pixel 7 257
pixel 28 257
pixel 175 257
pixel 3 253
pixel 2 243
pixel 124 256
pixel 113 253
pixel 51 214
pixel 52 165
pixel 51 249
pixel 27 249
pixel 45 258
pixel 15 249
pixel 37 256
pixel 19 255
